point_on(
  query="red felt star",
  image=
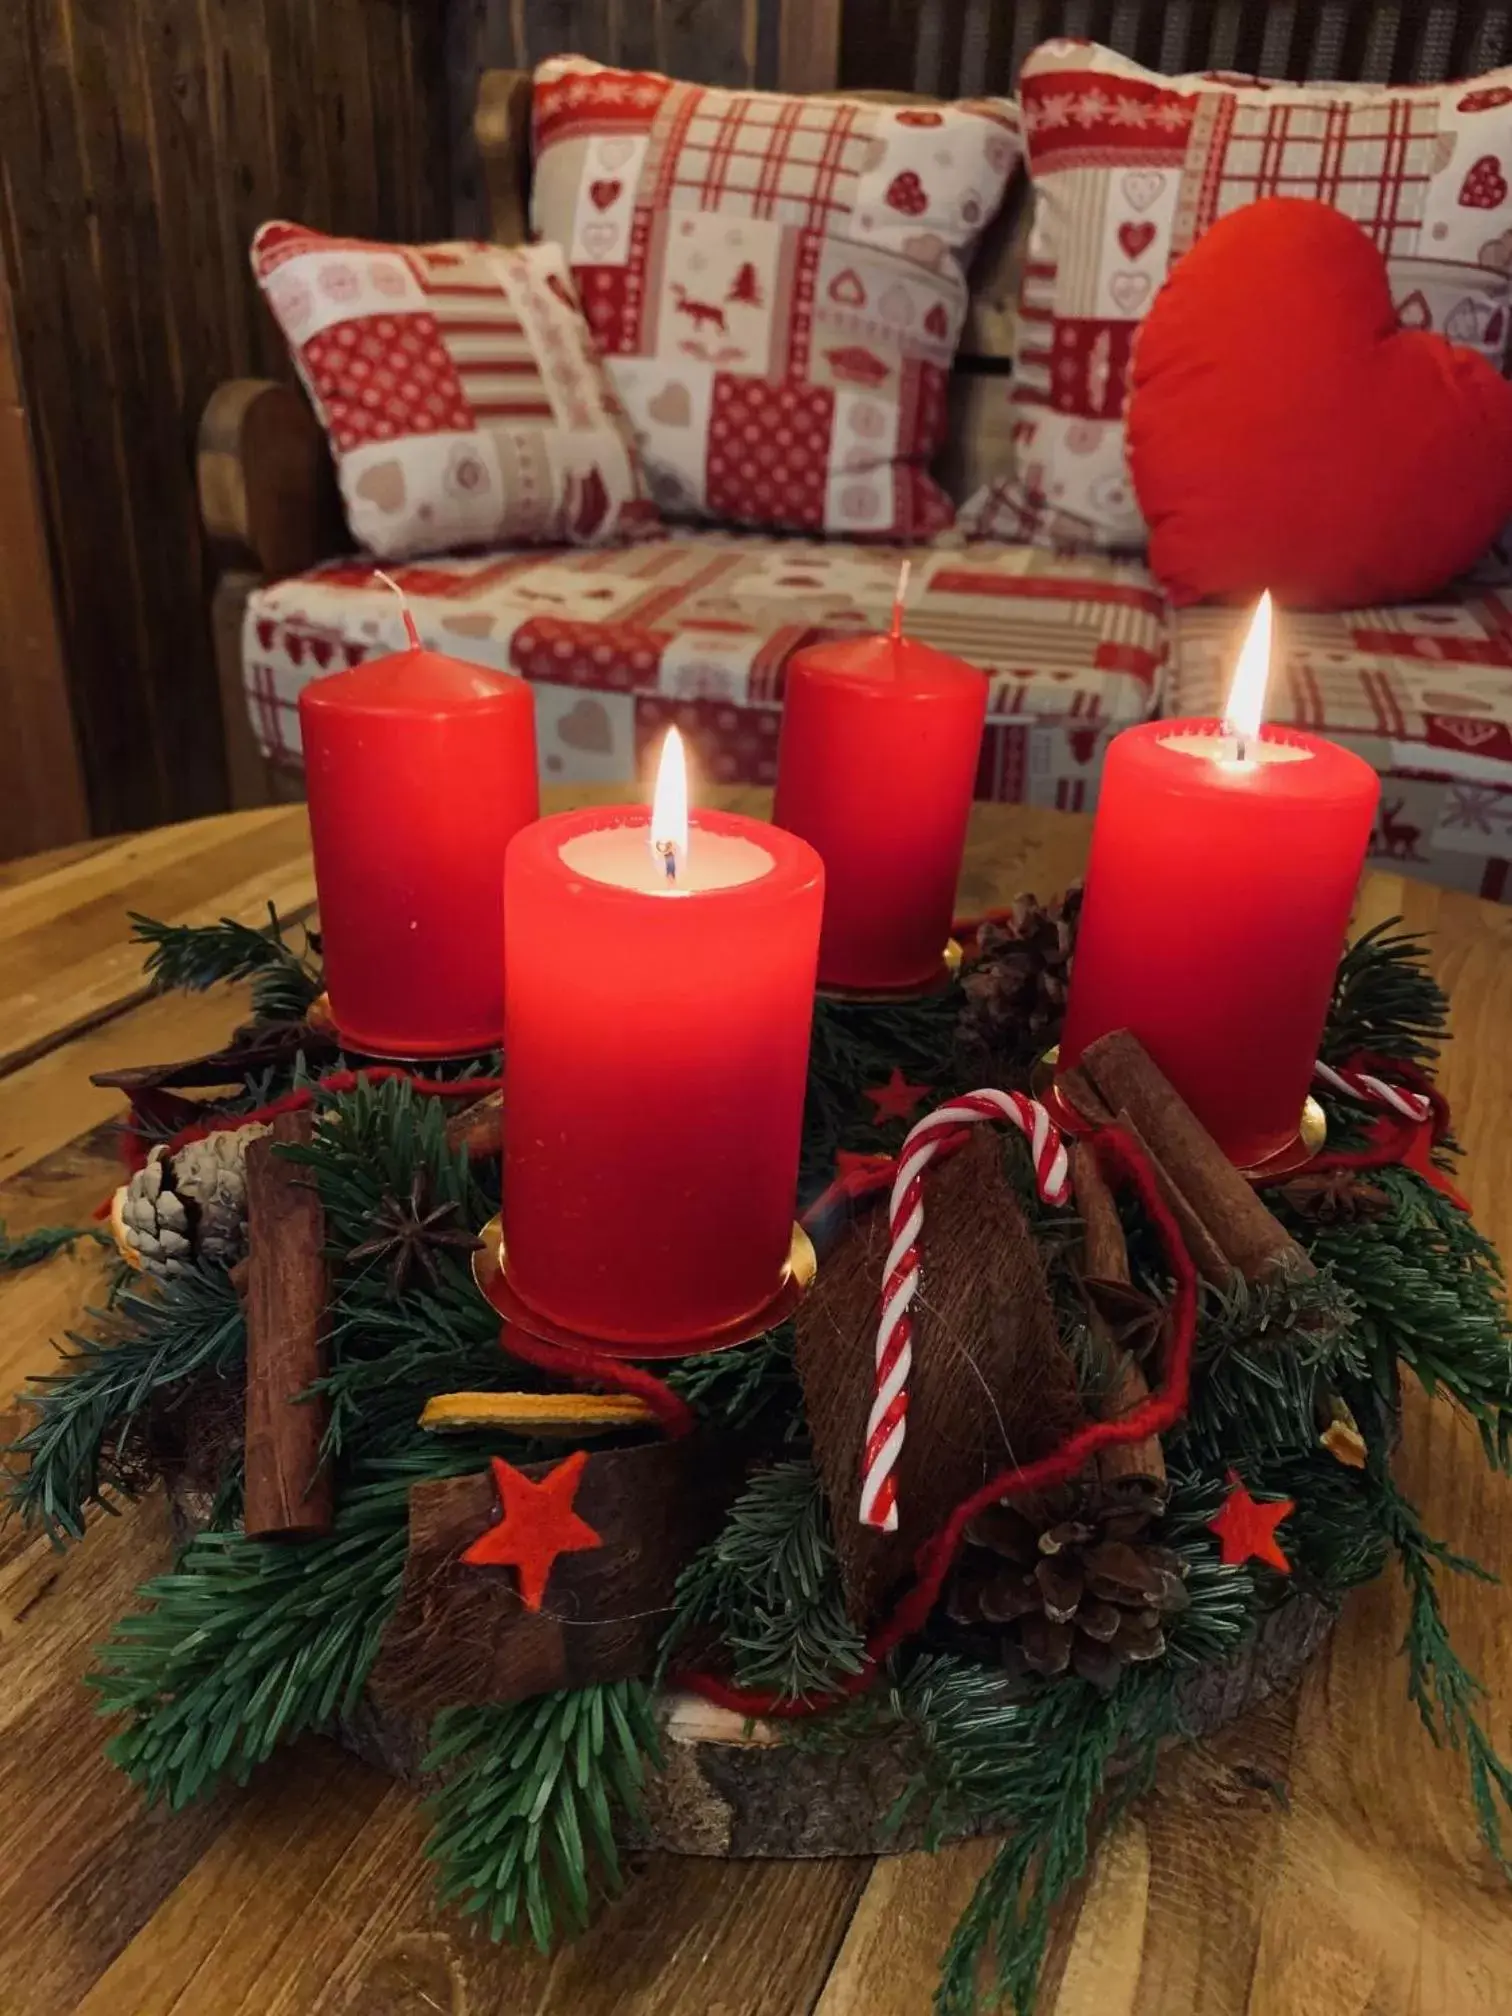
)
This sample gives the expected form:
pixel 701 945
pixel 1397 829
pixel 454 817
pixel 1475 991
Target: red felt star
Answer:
pixel 897 1099
pixel 1247 1531
pixel 536 1523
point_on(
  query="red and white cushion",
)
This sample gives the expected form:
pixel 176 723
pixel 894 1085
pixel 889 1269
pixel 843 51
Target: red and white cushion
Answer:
pixel 461 390
pixel 776 283
pixel 1129 170
pixel 698 629
pixel 1422 691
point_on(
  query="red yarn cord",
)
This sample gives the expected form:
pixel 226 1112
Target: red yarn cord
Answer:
pixel 585 1367
pixel 1123 1162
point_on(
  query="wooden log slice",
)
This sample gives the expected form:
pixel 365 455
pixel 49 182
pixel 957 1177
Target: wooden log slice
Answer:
pixel 729 1790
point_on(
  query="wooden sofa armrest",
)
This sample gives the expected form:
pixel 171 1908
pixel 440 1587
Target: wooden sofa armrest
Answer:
pixel 501 128
pixel 267 490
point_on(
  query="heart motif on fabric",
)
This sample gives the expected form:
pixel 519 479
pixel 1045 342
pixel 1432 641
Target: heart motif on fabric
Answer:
pixel 1136 238
pixel 1466 321
pixel 476 625
pixel 383 486
pixel 266 632
pixel 847 290
pixel 937 322
pixel 1414 312
pixel 599 239
pixel 586 726
pixel 905 193
pixel 896 305
pixel 1284 432
pixel 921 119
pixel 1130 291
pixel 1141 186
pixel 604 195
pixel 1485 101
pixel 1484 186
pixel 672 406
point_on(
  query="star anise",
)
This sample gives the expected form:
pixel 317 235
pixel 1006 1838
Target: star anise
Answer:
pixel 409 1233
pixel 1134 1319
pixel 1336 1196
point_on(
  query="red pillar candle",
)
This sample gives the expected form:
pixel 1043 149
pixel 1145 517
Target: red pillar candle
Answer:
pixel 875 768
pixel 656 1033
pixel 419 770
pixel 1224 863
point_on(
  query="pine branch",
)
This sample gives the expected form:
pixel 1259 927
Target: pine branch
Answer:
pixel 76 1450
pixel 1428 1289
pixel 740 1389
pixel 194 957
pixel 1439 1684
pixel 854 1045
pixel 770 1584
pixel 29 1248
pixel 1385 999
pixel 525 1827
pixel 247 1643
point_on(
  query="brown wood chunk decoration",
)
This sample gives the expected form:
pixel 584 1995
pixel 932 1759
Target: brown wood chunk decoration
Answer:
pixel 1227 1229
pixel 461 1635
pixel 991 1382
pixel 288 1490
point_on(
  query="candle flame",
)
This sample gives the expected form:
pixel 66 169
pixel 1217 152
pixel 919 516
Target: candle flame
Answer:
pixel 669 806
pixel 1246 701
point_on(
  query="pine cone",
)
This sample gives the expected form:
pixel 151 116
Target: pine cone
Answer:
pixel 1015 988
pixel 1068 1585
pixel 190 1208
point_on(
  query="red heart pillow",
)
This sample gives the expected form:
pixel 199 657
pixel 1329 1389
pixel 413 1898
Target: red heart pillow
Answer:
pixel 1284 433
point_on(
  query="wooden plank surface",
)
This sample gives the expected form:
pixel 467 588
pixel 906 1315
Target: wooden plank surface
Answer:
pixel 1317 1860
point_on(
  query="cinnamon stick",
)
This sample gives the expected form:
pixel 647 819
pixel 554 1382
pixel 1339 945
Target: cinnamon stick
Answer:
pixel 1132 1470
pixel 288 1491
pixel 1190 1160
pixel 478 1128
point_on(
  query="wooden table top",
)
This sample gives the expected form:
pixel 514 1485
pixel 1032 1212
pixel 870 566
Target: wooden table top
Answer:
pixel 1317 1860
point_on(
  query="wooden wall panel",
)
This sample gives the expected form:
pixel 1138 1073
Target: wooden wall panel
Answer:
pixel 41 783
pixel 770 44
pixel 141 142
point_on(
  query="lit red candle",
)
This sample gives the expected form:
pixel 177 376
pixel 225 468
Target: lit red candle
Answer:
pixel 1224 864
pixel 876 766
pixel 419 770
pixel 658 996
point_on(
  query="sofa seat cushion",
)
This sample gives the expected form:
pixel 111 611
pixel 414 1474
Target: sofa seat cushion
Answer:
pixel 1423 691
pixel 698 629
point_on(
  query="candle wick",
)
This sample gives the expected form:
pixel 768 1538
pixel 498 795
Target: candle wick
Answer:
pixel 412 635
pixel 668 852
pixel 898 600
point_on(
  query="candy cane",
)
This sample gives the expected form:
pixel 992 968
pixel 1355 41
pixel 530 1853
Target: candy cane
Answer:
pixel 1364 1085
pixel 886 1425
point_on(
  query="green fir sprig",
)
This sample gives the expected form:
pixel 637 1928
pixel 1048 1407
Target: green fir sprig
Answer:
pixel 770 1585
pixel 29 1249
pixel 77 1449
pixel 536 1797
pixel 1385 999
pixel 194 957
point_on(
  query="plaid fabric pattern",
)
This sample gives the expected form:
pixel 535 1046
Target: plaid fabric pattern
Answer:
pixel 700 628
pixel 1130 169
pixel 795 262
pixel 1423 692
pixel 461 389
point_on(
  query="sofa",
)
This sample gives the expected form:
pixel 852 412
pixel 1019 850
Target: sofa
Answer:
pixel 697 627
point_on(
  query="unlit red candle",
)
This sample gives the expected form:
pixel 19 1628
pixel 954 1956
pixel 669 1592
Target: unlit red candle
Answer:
pixel 419 770
pixel 656 1053
pixel 1221 877
pixel 876 767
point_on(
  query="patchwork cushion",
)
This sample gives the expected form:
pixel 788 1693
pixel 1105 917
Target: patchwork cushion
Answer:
pixel 1422 691
pixel 1129 170
pixel 698 629
pixel 776 283
pixel 460 388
